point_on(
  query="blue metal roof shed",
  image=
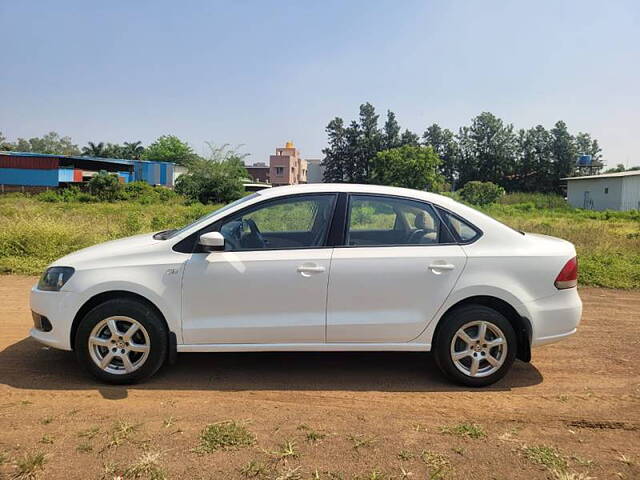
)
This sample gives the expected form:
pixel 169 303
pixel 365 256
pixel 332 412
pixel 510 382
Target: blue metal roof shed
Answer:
pixel 47 170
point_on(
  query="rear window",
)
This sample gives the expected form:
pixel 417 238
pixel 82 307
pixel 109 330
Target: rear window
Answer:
pixel 463 230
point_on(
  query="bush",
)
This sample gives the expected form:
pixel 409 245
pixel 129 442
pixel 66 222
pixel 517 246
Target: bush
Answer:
pixel 144 193
pixel 105 186
pixel 213 182
pixel 49 196
pixel 481 193
pixel 71 194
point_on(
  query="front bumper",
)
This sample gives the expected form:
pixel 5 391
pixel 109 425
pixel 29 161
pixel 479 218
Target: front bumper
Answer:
pixel 556 317
pixel 59 309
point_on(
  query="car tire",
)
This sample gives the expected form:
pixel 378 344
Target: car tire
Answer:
pixel 475 345
pixel 121 341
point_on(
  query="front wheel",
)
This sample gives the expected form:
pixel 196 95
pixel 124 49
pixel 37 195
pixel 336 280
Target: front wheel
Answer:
pixel 121 341
pixel 475 346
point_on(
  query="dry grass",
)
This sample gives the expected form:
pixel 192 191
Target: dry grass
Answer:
pixel 121 433
pixel 361 441
pixel 147 466
pixel 30 465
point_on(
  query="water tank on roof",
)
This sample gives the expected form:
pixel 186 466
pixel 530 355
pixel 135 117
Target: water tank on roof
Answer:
pixel 584 161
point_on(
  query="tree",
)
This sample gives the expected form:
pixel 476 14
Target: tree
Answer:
pixel 409 138
pixel 407 166
pixel 563 154
pixel 133 150
pixel 352 158
pixel 588 146
pixel 93 150
pixel 4 145
pixel 105 186
pixel 443 142
pixel 488 150
pixel 534 169
pixel 114 150
pixel 216 179
pixel 391 132
pixel 619 168
pixel 333 161
pixel 169 148
pixel 50 143
pixel 352 149
pixel 370 143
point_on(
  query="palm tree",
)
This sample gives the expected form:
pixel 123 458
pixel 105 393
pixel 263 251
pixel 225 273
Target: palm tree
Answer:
pixel 133 150
pixel 93 150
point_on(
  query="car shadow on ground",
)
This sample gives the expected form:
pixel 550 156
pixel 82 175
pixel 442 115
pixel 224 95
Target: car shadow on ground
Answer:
pixel 28 365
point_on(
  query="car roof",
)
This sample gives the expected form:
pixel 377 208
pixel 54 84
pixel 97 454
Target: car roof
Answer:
pixel 347 187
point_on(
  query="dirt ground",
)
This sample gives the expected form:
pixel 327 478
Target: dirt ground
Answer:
pixel 573 412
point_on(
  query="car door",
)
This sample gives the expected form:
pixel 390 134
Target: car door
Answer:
pixel 269 285
pixel 398 264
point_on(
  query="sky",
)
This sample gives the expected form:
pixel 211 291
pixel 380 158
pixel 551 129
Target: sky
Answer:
pixel 258 73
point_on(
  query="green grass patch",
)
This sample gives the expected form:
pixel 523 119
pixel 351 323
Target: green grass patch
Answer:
pixel 546 456
pixel 34 233
pixel 28 466
pixel 224 436
pixel 470 430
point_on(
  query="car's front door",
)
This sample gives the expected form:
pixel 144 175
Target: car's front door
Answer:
pixel 269 285
pixel 397 266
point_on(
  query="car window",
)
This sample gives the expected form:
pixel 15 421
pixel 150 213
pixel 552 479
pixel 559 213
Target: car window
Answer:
pixel 371 214
pixel 295 222
pixel 167 234
pixel 464 231
pixel 378 220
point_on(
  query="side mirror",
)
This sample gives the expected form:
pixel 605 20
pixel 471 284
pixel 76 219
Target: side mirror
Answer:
pixel 211 241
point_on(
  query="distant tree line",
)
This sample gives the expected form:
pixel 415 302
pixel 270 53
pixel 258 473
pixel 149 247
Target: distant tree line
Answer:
pixel 168 148
pixel 487 150
pixel 621 168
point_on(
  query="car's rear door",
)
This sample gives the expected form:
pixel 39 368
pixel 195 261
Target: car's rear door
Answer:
pixel 397 266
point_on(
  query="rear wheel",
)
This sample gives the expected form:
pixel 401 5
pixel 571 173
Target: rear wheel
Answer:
pixel 475 346
pixel 121 341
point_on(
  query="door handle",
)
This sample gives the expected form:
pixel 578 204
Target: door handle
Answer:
pixel 307 269
pixel 441 266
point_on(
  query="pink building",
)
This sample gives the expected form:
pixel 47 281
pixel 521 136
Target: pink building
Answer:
pixel 286 166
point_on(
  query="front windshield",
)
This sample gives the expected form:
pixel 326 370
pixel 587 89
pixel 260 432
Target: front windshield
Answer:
pixel 167 234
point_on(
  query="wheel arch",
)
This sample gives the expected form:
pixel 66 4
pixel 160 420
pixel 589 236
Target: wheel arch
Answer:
pixel 521 325
pixel 102 297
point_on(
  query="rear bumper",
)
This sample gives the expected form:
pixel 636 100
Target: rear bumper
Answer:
pixel 59 309
pixel 554 318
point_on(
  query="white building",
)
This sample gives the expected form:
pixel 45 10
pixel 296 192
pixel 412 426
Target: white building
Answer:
pixel 315 170
pixel 609 191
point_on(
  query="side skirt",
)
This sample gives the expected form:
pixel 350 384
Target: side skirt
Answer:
pixel 306 347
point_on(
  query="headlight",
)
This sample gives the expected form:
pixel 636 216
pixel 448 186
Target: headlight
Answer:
pixel 54 278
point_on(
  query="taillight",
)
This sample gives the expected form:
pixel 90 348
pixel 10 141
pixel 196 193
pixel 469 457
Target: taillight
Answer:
pixel 568 276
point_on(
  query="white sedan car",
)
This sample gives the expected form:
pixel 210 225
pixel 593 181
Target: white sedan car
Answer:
pixel 315 268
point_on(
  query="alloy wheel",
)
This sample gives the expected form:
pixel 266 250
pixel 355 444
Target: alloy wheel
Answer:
pixel 478 349
pixel 119 345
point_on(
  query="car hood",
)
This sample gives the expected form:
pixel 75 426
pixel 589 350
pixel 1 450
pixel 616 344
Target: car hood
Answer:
pixel 113 248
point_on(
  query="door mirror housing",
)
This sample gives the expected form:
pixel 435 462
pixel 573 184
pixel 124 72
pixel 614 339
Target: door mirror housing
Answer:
pixel 211 241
